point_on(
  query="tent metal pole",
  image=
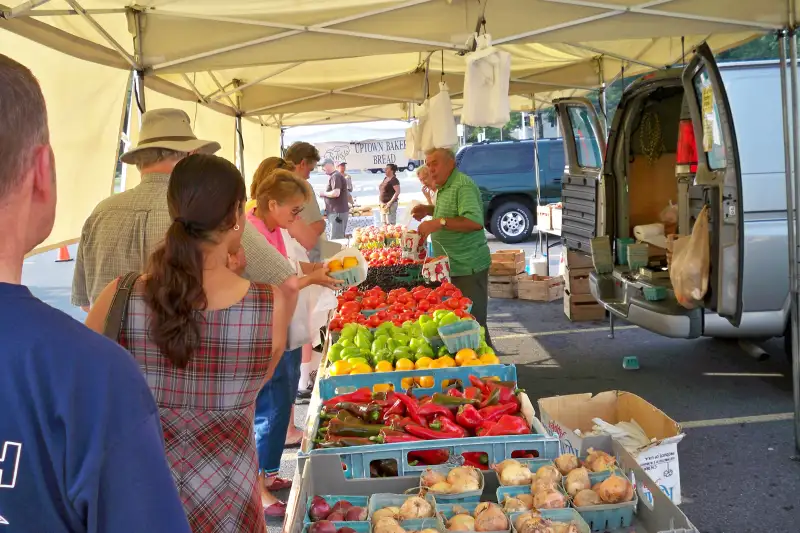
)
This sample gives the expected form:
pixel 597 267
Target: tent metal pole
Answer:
pixel 550 84
pixel 615 56
pixel 140 91
pixel 23 8
pixel 238 124
pixel 795 295
pixel 219 86
pixel 216 95
pixel 103 33
pixel 645 9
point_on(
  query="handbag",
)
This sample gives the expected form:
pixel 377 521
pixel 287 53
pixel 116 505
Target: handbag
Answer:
pixel 118 311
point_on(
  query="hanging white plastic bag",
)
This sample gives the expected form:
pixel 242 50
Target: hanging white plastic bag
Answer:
pixel 690 264
pixel 441 121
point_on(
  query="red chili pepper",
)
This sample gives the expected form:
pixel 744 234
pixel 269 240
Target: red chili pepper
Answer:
pixel 432 409
pixel 507 394
pixel 494 412
pixel 472 462
pixel 362 395
pixel 390 436
pixel 473 393
pixel 396 409
pixel 430 434
pixel 477 457
pixel 399 424
pixel 334 441
pixel 455 393
pixel 468 417
pixel 480 385
pixel 429 457
pixel 412 407
pixel 450 401
pixel 493 398
pixel 449 426
pixel 522 454
pixel 484 427
pixel 509 425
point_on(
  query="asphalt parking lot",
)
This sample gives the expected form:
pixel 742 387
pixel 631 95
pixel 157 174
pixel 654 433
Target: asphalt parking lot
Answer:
pixel 737 475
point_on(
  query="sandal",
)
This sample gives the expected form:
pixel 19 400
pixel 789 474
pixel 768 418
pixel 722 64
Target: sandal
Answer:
pixel 276 510
pixel 279 483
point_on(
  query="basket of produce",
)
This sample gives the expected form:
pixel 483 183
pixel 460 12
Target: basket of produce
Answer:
pixel 326 526
pixel 461 335
pixel 402 507
pixel 337 509
pixel 477 516
pixel 602 493
pixel 550 520
pixel 459 484
pixel 348 266
pixel 515 472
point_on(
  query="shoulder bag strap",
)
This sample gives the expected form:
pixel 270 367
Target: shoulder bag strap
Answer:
pixel 118 310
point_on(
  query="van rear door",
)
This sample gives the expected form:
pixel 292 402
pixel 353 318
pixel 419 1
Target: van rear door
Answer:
pixel 584 147
pixel 718 168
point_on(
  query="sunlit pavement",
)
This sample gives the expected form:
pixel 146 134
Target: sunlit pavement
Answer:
pixel 735 468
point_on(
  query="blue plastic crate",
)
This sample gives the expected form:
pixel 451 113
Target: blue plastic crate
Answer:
pixel 557 515
pixel 462 497
pixel 331 386
pixel 461 335
pixel 381 501
pixel 608 516
pixel 359 527
pixel 360 501
pixel 533 465
pixel 446 512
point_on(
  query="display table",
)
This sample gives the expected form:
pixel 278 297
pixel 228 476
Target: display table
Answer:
pixel 547 234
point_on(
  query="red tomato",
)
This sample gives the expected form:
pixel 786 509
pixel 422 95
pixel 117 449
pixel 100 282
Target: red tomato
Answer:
pixel 353 289
pixel 374 321
pixel 349 296
pixel 449 293
pixel 405 298
pixel 397 323
pixel 391 300
pixel 447 286
pixel 369 302
pixel 434 298
pixel 460 313
pixel 457 293
pixel 398 308
pixel 418 288
pixel 351 308
pixel 465 302
pixel 453 303
pixel 335 324
pixel 382 315
pixel 424 305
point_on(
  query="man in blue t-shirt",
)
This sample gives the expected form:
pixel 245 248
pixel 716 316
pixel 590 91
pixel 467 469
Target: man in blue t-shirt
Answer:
pixel 81 445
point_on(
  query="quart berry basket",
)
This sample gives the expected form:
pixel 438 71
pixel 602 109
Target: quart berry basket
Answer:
pixel 360 501
pixel 473 496
pixel 461 335
pixel 348 275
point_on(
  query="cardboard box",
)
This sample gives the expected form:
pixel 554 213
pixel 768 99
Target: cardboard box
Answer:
pixel 556 215
pixel 540 288
pixel 576 280
pixel 504 286
pixel 582 307
pixel 544 218
pixel 562 415
pixel 578 260
pixel 507 263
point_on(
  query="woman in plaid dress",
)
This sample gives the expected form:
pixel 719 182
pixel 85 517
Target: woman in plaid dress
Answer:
pixel 207 341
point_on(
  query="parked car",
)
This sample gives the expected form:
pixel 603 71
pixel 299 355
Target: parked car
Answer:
pixel 663 122
pixel 505 173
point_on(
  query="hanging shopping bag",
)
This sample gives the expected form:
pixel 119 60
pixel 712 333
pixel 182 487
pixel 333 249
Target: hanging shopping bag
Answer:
pixel 436 270
pixel 691 261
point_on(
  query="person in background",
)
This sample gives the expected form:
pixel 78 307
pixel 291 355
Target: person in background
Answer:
pixel 80 438
pixel 206 340
pixel 281 197
pixel 456 229
pixel 428 187
pixel 342 167
pixel 389 194
pixel 336 204
pixel 309 228
pixel 123 230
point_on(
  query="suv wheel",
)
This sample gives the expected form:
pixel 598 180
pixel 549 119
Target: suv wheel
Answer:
pixel 411 166
pixel 512 222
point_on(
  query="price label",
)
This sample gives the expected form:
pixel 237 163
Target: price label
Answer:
pixel 708 100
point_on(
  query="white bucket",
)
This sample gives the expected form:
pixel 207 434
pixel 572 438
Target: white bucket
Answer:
pixel 537 266
pixel 412 246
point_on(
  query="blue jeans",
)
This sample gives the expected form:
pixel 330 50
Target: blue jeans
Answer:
pixel 273 411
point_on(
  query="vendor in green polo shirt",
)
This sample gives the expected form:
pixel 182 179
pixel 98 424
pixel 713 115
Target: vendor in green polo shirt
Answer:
pixel 457 229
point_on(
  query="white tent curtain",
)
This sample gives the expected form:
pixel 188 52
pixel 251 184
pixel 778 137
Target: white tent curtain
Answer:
pixel 84 106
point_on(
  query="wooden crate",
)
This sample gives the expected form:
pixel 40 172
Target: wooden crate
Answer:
pixel 582 308
pixel 578 260
pixel 576 280
pixel 540 288
pixel 507 263
pixel 504 286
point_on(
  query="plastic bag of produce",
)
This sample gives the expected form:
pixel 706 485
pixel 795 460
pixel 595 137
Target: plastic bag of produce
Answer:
pixel 689 267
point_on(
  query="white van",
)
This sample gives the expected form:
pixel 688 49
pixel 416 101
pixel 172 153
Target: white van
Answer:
pixel 652 160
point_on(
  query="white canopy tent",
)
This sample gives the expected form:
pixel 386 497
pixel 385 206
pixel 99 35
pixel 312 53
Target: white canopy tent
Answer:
pixel 268 64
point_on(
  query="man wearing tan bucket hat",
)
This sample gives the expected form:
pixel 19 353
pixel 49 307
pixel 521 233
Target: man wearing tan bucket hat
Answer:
pixel 123 230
